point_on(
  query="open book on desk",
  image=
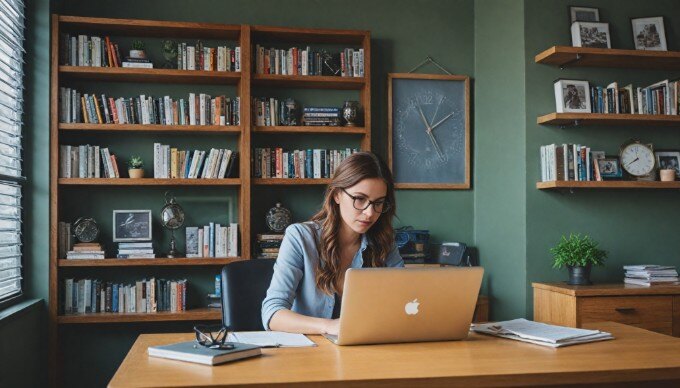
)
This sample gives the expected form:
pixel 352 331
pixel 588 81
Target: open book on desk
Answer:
pixel 270 339
pixel 541 333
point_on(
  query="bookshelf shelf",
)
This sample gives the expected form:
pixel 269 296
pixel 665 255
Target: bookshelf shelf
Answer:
pixel 285 34
pixel 552 185
pixel 311 129
pixel 125 74
pixel 147 182
pixel 567 56
pixel 180 261
pixel 289 181
pixel 309 81
pixel 155 128
pixel 575 119
pixel 199 314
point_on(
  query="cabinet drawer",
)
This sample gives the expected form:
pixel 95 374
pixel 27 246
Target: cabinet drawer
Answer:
pixel 648 312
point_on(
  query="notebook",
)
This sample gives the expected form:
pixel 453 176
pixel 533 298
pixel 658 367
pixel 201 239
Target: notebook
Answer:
pixel 271 339
pixel 193 352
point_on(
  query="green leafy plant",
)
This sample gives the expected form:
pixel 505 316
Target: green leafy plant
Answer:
pixel 577 251
pixel 135 162
pixel 137 45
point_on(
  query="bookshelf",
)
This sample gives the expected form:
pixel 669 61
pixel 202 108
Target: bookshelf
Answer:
pixel 66 190
pixel 552 185
pixel 577 119
pixel 567 56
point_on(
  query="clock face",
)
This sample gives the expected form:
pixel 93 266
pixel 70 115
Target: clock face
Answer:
pixel 428 131
pixel 637 159
pixel 86 230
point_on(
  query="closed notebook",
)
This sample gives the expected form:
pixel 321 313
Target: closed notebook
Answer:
pixel 193 352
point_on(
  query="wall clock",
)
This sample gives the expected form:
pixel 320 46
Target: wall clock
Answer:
pixel 638 160
pixel 429 130
pixel 86 229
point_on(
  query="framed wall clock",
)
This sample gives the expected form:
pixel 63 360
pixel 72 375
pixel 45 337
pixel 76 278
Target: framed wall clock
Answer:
pixel 429 130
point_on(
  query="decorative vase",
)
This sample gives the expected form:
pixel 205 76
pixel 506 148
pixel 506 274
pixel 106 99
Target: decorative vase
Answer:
pixel 667 175
pixel 579 276
pixel 139 54
pixel 349 113
pixel 136 173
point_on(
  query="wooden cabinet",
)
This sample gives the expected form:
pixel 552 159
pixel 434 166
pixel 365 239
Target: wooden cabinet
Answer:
pixel 652 308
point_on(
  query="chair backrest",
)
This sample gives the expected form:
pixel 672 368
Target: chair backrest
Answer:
pixel 244 286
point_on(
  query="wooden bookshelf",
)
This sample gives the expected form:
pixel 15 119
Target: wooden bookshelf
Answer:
pixel 657 185
pixel 290 181
pixel 124 74
pixel 199 314
pixel 309 81
pixel 157 262
pixel 577 119
pixel 151 128
pixel 567 56
pixel 147 182
pixel 311 129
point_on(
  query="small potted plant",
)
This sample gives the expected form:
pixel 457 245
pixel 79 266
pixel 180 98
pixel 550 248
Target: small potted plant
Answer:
pixel 136 167
pixel 578 254
pixel 137 50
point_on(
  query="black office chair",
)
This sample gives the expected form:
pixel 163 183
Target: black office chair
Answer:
pixel 244 286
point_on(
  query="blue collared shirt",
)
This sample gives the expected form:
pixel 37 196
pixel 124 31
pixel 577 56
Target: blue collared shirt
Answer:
pixel 293 285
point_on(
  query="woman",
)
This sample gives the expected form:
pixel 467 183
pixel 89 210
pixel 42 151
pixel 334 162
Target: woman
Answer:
pixel 353 229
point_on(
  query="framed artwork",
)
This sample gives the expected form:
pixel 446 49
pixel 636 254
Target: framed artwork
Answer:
pixel 583 14
pixel 609 168
pixel 590 34
pixel 669 160
pixel 429 130
pixel 649 33
pixel 131 225
pixel 572 96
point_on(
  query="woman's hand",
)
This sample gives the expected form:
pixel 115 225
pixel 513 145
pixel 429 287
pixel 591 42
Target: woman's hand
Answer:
pixel 332 327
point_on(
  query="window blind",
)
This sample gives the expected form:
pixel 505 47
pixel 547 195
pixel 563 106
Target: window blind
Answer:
pixel 11 178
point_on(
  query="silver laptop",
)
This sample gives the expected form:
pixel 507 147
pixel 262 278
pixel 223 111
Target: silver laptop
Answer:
pixel 388 305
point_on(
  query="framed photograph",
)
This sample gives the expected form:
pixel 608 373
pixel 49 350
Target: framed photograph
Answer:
pixel 572 96
pixel 428 144
pixel 590 34
pixel 131 225
pixel 669 160
pixel 583 14
pixel 649 33
pixel 609 168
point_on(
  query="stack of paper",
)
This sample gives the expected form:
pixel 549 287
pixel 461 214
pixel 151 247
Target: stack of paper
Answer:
pixel 649 275
pixel 270 339
pixel 541 333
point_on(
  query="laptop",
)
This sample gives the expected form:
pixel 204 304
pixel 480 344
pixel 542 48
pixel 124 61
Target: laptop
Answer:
pixel 390 305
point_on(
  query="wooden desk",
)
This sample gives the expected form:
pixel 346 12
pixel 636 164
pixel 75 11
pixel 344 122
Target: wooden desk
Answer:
pixel 635 355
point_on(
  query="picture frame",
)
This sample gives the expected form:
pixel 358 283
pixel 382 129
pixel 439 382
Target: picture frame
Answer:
pixel 583 14
pixel 649 33
pixel 435 159
pixel 590 34
pixel 610 168
pixel 132 225
pixel 572 96
pixel 668 159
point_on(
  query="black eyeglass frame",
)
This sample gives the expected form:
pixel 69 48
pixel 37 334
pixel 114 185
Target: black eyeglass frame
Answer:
pixel 386 204
pixel 204 336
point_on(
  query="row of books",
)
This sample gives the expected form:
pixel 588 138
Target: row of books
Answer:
pixel 321 116
pixel 660 98
pixel 136 250
pixel 270 111
pixel 570 162
pixel 269 245
pixel 87 161
pixel 305 61
pixel 309 163
pixel 650 275
pixel 212 240
pixel 144 296
pixel 180 164
pixel 197 109
pixel 84 50
pixel 199 57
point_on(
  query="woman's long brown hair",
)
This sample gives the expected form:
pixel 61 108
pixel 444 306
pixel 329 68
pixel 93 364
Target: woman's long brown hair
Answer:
pixel 380 237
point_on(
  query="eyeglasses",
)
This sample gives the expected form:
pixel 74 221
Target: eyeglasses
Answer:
pixel 381 206
pixel 213 336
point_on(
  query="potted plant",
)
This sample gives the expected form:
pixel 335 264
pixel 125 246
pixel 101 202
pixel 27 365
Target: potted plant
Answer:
pixel 578 254
pixel 136 167
pixel 137 50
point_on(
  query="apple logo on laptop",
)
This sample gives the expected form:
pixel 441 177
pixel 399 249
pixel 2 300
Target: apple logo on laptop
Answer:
pixel 411 308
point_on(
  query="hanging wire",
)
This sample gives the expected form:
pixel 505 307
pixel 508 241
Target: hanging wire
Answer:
pixel 427 60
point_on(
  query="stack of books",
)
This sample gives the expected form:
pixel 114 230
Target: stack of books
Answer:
pixel 269 245
pixel 212 240
pixel 86 251
pixel 649 275
pixel 540 333
pixel 136 250
pixel 321 116
pixel 139 63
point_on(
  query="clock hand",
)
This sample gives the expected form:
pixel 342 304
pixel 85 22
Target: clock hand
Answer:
pixel 442 120
pixel 436 110
pixel 636 159
pixel 428 130
pixel 422 116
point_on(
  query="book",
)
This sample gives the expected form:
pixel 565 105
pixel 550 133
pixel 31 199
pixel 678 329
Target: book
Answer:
pixel 191 351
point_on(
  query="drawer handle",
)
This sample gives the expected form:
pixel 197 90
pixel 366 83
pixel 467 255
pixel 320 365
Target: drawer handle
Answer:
pixel 624 309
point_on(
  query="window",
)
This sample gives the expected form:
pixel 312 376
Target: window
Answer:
pixel 11 179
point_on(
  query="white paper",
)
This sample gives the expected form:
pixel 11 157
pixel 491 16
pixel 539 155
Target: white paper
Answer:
pixel 531 331
pixel 270 338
